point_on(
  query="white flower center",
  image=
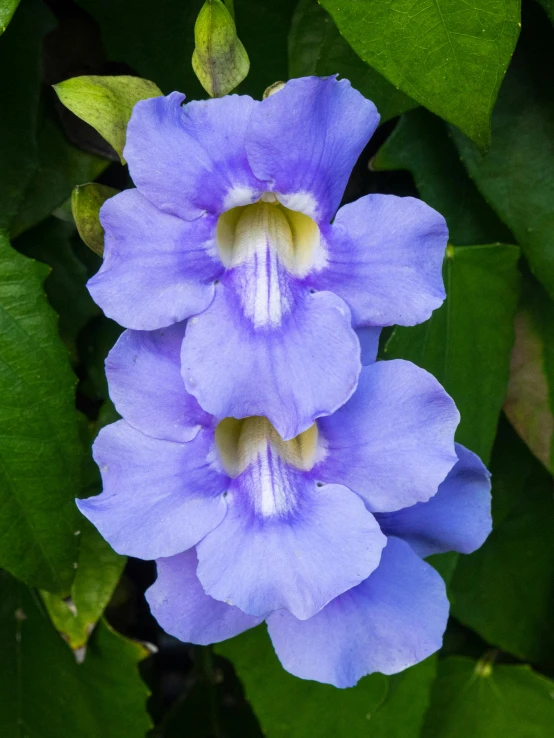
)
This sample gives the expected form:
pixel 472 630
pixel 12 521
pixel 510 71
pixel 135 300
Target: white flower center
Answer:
pixel 266 243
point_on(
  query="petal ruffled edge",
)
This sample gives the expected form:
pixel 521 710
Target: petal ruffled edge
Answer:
pixel 144 376
pixel 321 543
pixel 157 269
pixel 393 441
pixel 288 374
pixel 384 258
pixel 184 610
pixel 305 139
pixel 209 136
pixel 392 620
pixel 458 518
pixel 159 497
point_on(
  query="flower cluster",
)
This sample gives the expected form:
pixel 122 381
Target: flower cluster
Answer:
pixel 274 469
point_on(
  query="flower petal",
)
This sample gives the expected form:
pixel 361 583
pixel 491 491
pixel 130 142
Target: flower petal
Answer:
pixel 306 138
pixel 157 269
pixel 393 441
pixel 185 611
pixel 144 376
pixel 385 257
pixel 457 518
pixel 286 543
pixel 393 620
pixel 191 159
pixel 289 373
pixel 160 497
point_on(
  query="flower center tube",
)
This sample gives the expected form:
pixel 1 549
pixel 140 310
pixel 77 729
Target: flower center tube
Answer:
pixel 266 243
pixel 269 465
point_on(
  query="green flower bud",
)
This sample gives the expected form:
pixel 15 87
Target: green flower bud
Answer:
pixel 86 201
pixel 219 60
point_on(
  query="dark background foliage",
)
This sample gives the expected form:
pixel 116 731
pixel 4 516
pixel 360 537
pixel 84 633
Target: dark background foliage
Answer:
pixel 467 104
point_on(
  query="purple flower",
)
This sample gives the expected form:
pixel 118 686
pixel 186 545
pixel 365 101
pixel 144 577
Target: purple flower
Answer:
pixel 277 525
pixel 392 620
pixel 230 228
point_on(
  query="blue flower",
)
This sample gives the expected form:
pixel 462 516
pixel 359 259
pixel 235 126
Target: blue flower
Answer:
pixel 230 228
pixel 320 535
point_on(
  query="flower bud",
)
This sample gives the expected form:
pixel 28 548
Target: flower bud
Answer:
pixel 272 89
pixel 86 201
pixel 219 60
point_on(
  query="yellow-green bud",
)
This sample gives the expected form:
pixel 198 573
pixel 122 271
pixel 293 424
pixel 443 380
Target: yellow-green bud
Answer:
pixel 219 60
pixel 86 201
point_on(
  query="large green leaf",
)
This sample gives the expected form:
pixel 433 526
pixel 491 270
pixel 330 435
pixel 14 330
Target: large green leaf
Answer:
pixel 7 9
pixel 44 693
pixel 485 700
pixel 530 400
pixel 316 47
pixel 20 57
pixel 517 174
pixel 504 590
pixel 467 342
pixel 40 451
pixel 420 143
pixel 98 571
pixel 448 55
pixel 60 168
pixel 288 707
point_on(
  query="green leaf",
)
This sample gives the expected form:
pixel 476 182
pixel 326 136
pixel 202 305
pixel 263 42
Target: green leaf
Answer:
pixel 98 572
pixel 106 103
pixel 40 451
pixel 45 693
pixel 447 55
pixel 20 60
pixel 61 166
pixel 317 48
pixel 288 707
pixel 86 201
pixel 467 342
pixel 219 59
pixel 529 403
pixel 517 175
pixel 420 143
pixel 7 9
pixel 483 700
pixel 504 590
